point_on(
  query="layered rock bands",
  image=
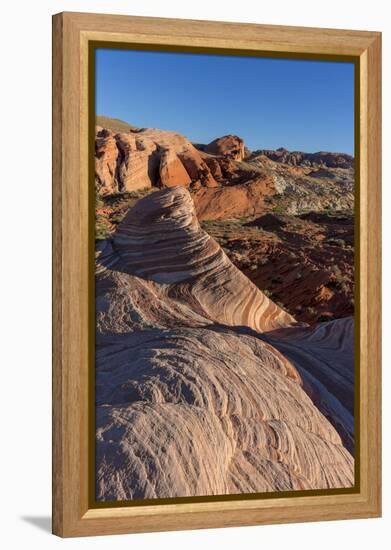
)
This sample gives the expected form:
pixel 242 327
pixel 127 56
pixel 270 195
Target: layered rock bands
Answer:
pixel 204 386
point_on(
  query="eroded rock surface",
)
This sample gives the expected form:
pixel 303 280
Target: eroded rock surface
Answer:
pixel 317 160
pixel 227 146
pixel 224 178
pixel 200 389
pixel 324 356
pixel 147 157
pixel 304 262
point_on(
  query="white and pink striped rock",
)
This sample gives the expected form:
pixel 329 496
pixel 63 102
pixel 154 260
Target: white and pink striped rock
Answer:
pixel 198 390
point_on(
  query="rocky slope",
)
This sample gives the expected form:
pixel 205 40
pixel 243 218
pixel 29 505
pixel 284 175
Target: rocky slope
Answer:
pixel 204 386
pixel 322 159
pixel 149 157
pixel 224 177
pixel 231 147
pixel 324 356
pixel 160 240
pixel 303 259
pixel 304 262
pixel 114 124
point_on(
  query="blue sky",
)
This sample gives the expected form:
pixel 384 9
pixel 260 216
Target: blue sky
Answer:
pixel 270 103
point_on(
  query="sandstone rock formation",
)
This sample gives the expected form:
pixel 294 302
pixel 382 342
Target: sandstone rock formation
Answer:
pixel 106 155
pixel 171 170
pixel 225 178
pixel 299 158
pixel 324 357
pixel 200 384
pixel 227 146
pixel 246 199
pixel 143 158
pixel 160 240
pixel 306 264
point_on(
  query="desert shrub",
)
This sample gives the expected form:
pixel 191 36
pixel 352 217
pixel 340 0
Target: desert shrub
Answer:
pixel 139 193
pixel 102 229
pixel 117 217
pixel 268 293
pixel 339 281
pixel 325 318
pixel 336 242
pixel 336 272
pixel 344 287
pixel 279 209
pixel 99 202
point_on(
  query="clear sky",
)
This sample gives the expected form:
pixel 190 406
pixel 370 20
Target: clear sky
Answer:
pixel 270 103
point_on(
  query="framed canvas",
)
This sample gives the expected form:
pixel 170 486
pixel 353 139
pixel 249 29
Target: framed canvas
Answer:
pixel 216 274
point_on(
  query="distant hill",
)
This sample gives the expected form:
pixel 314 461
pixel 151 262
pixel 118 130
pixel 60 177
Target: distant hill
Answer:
pixel 114 124
pixel 299 158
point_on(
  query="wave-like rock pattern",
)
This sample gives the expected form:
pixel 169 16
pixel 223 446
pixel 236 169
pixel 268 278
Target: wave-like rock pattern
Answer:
pixel 204 412
pixel 193 397
pixel 161 240
pixel 324 357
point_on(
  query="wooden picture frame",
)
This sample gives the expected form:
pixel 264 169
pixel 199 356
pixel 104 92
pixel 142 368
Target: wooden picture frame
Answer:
pixel 73 34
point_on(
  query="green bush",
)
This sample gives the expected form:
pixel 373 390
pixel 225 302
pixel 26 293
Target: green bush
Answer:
pixel 336 242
